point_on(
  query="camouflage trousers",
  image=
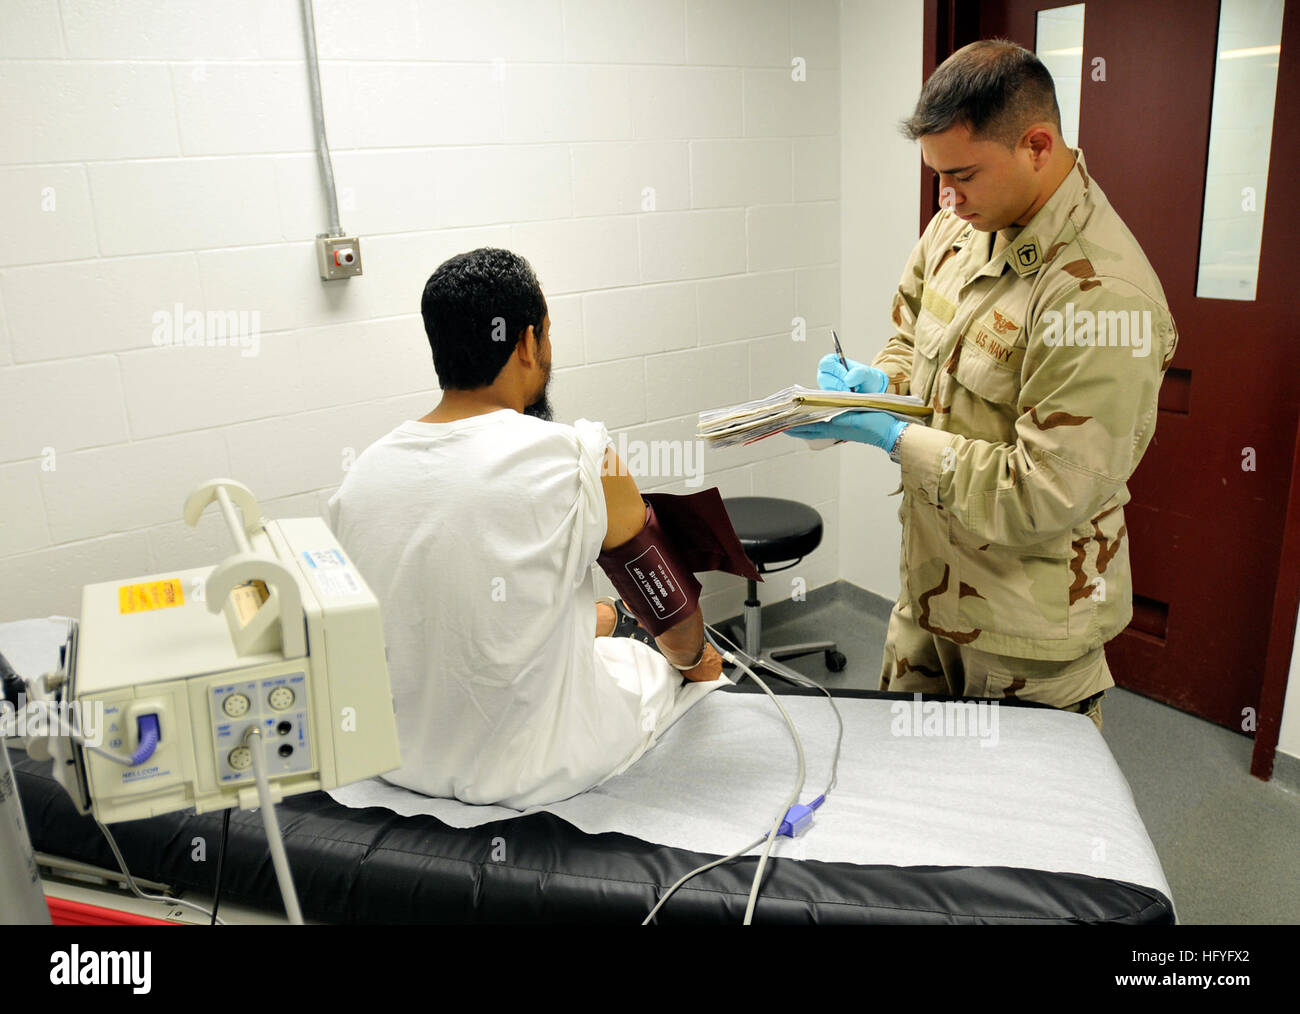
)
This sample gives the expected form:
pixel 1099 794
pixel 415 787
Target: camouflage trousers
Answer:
pixel 917 661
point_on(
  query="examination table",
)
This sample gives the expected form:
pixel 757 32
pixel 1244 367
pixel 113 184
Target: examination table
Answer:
pixel 1074 846
pixel 1025 818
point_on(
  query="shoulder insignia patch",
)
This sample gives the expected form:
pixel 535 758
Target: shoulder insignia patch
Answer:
pixel 1026 257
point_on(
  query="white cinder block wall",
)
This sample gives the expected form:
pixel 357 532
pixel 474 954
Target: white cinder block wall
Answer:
pixel 879 225
pixel 677 192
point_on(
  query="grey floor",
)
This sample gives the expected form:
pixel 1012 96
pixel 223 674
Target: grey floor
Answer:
pixel 1229 842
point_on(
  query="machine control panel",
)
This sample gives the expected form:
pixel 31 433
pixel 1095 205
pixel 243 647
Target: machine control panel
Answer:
pixel 278 706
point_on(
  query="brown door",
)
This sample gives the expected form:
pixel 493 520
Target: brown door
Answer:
pixel 1206 534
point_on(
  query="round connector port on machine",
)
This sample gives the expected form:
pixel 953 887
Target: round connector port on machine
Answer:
pixel 284 728
pixel 285 750
pixel 235 705
pixel 241 758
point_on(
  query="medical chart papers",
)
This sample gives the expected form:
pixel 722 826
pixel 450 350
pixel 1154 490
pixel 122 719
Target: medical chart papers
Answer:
pixel 795 406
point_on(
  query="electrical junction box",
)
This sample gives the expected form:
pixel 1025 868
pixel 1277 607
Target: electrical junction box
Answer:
pixel 338 256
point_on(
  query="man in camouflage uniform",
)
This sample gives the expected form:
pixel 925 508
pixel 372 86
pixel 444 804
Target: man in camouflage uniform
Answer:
pixel 1030 321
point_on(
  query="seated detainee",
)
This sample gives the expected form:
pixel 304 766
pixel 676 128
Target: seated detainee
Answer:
pixel 476 527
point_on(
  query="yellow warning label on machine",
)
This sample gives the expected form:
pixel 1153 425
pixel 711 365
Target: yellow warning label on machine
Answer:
pixel 139 598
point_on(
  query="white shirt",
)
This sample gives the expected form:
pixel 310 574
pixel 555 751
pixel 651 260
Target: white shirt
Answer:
pixel 478 537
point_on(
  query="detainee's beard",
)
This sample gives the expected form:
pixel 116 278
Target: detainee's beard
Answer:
pixel 541 408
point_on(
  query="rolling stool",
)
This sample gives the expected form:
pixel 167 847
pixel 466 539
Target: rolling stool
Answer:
pixel 771 531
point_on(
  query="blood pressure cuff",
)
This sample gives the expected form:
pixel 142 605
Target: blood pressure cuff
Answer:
pixel 654 571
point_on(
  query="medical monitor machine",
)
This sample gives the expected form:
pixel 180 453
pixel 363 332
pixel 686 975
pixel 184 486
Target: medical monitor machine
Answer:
pixel 268 667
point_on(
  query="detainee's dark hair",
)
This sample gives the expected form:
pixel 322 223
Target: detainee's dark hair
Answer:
pixel 469 302
pixel 995 87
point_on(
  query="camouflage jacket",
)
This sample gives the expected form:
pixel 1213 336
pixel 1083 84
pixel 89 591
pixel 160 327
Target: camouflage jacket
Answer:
pixel 1042 364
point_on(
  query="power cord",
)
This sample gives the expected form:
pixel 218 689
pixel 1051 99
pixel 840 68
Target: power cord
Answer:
pixel 221 859
pixel 135 888
pixel 797 680
pixel 793 817
pixel 776 824
pixel 273 837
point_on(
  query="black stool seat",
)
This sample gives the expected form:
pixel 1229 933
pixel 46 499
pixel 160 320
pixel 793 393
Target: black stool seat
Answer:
pixel 773 530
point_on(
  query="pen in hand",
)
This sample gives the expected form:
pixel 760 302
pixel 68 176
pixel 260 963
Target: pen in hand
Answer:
pixel 839 351
pixel 843 362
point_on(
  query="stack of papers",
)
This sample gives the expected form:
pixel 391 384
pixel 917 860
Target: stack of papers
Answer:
pixel 796 406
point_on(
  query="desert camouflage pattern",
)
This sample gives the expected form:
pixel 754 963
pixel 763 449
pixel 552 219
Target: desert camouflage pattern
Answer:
pixel 916 661
pixel 1014 541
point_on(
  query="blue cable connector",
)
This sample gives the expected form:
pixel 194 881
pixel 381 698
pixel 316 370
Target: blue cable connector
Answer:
pixel 798 817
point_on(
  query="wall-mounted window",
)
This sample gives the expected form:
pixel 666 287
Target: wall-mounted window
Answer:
pixel 1058 42
pixel 1241 134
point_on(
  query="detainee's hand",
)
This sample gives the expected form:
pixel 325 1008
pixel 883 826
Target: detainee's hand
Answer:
pixel 709 669
pixel 606 619
pixel 832 376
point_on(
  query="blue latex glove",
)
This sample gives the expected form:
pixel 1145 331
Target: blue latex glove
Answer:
pixel 880 429
pixel 832 376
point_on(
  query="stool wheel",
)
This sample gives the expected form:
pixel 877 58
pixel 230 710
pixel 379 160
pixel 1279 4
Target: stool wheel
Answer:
pixel 835 661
